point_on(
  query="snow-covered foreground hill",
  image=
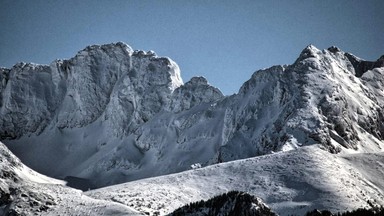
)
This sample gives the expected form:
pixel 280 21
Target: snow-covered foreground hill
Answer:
pixel 26 192
pixel 111 114
pixel 292 182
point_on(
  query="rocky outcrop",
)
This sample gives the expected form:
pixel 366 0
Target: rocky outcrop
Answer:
pixel 231 203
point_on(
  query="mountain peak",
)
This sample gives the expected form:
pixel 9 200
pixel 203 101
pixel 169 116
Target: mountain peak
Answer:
pixel 194 92
pixel 311 47
pixel 309 52
pixel 109 46
pixel 198 80
pixel 334 49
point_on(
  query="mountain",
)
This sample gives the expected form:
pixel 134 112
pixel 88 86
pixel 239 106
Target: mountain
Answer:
pixel 111 114
pixel 301 136
pixel 25 192
pixel 83 114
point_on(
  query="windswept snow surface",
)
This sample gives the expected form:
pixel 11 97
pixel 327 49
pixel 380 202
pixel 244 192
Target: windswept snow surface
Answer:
pixel 25 192
pixel 292 182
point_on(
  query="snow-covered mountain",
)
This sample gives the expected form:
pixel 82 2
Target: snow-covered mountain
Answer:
pixel 111 114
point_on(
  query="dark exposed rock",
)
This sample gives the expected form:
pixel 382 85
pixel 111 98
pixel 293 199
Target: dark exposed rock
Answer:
pixel 228 204
pixel 361 66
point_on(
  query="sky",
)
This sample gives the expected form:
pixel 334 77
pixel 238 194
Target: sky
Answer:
pixel 224 41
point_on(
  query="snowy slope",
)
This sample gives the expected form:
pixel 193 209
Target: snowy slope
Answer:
pixel 111 114
pixel 292 182
pixel 25 192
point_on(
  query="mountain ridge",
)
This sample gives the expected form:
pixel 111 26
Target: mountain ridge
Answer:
pixel 112 114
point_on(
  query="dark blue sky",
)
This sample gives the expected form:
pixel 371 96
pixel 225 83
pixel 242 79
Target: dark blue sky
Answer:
pixel 224 41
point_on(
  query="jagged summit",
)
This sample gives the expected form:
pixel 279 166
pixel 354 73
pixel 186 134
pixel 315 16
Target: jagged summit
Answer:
pixel 119 44
pixel 112 114
pixel 307 52
pixel 194 92
pixel 310 47
pixel 334 49
pixel 199 80
pixel 359 65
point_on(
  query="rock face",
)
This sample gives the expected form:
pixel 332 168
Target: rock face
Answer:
pixel 318 99
pixel 112 114
pixel 193 93
pixel 231 203
pixel 112 80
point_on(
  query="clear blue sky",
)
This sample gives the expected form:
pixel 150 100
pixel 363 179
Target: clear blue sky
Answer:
pixel 224 41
